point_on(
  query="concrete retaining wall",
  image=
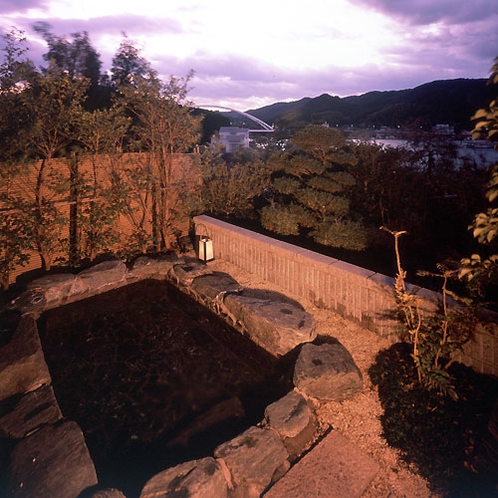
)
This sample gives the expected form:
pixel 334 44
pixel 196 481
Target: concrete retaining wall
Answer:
pixel 355 293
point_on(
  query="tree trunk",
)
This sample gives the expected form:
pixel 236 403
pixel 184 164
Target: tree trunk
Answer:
pixel 74 235
pixel 46 259
pixel 155 217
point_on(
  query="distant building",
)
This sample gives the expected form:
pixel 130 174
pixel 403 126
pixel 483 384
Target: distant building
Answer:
pixel 233 138
pixel 444 129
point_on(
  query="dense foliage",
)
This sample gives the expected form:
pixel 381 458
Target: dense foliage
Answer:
pixel 438 434
pixel 60 113
pixel 333 194
pixel 309 190
pixel 480 270
pixel 231 186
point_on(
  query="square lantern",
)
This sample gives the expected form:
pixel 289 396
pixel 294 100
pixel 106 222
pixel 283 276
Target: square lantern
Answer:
pixel 205 248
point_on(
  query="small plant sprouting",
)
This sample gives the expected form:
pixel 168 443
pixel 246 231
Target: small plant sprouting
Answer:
pixel 434 338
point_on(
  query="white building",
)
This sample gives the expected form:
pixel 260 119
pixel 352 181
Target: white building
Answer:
pixel 233 138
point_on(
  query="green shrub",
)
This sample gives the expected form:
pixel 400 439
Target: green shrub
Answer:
pixel 436 433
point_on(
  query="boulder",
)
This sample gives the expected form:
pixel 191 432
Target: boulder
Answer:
pixel 9 320
pixel 53 461
pixel 103 275
pixel 327 372
pixel 57 289
pixel 295 422
pixel 255 459
pixel 185 273
pixel 194 479
pixel 158 267
pixel 216 285
pixel 22 415
pixel 276 326
pixel 22 363
pixel 51 291
pixel 31 301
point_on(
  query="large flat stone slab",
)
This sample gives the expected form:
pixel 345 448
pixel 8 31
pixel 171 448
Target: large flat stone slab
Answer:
pixel 154 267
pixel 103 275
pixel 276 326
pixel 57 289
pixel 52 462
pixel 22 363
pixel 335 468
pixel 21 415
pixel 215 284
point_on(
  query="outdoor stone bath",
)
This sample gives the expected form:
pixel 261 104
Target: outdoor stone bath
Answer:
pixel 47 454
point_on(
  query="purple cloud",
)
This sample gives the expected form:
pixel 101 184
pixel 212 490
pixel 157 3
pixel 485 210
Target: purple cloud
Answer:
pixel 421 12
pixel 8 6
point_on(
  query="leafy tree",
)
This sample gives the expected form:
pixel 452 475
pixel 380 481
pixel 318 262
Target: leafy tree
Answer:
pixel 325 144
pixel 132 183
pixel 96 208
pixel 434 338
pixel 232 188
pixel 286 219
pixel 382 180
pixel 16 72
pixel 85 59
pixel 79 63
pixel 395 188
pixel 481 271
pixel 128 65
pixel 164 126
pixel 296 164
pixel 102 131
pixel 78 59
pixel 54 102
pixel 14 237
pixel 311 190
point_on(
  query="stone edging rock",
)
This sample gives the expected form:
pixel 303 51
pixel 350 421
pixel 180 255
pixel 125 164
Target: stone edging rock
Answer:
pixel 50 457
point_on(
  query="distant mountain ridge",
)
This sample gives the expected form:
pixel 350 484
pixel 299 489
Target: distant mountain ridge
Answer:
pixel 450 102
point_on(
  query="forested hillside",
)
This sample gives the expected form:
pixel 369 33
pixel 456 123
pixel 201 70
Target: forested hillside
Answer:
pixel 449 101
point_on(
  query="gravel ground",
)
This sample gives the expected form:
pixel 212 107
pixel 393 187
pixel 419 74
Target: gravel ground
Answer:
pixel 358 417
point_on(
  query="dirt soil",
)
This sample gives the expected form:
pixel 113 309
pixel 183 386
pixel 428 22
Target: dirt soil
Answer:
pixel 358 417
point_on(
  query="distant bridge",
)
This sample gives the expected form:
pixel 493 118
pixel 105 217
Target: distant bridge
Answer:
pixel 266 127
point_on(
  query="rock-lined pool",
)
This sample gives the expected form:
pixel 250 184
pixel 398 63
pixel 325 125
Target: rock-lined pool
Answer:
pixel 154 379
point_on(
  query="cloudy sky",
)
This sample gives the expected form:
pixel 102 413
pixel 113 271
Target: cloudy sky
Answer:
pixel 249 54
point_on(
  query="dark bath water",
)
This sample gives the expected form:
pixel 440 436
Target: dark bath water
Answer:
pixel 154 379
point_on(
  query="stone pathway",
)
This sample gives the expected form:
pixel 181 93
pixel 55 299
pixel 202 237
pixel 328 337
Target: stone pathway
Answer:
pixel 335 468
